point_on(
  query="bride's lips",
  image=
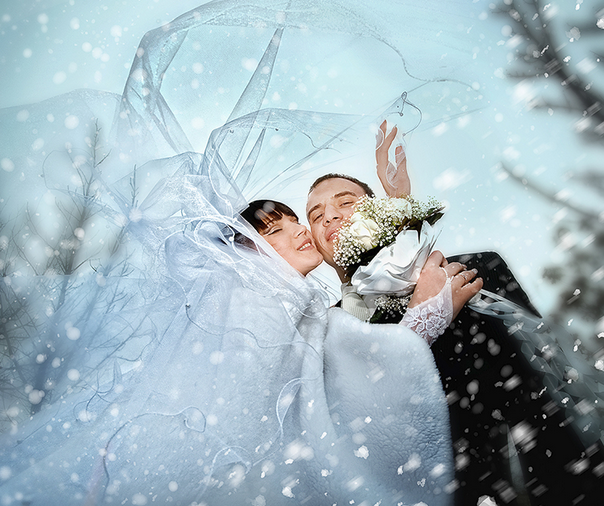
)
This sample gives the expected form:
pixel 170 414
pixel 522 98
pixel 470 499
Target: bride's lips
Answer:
pixel 306 245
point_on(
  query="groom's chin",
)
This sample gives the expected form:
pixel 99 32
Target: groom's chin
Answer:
pixel 328 257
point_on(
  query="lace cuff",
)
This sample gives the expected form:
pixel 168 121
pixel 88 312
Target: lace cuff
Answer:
pixel 432 317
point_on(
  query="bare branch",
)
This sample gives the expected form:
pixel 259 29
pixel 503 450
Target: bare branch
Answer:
pixel 544 53
pixel 548 195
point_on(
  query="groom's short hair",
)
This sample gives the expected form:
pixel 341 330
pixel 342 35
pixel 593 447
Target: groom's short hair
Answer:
pixel 365 186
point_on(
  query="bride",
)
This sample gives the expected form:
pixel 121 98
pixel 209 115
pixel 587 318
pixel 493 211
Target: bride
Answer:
pixel 189 367
pixel 249 389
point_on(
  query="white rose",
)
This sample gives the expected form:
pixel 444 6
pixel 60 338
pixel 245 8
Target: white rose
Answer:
pixel 356 217
pixel 364 231
pixel 403 206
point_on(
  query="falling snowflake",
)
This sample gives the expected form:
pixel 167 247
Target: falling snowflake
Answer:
pixel 362 452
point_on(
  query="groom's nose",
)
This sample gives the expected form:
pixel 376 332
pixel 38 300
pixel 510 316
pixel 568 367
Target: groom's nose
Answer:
pixel 331 214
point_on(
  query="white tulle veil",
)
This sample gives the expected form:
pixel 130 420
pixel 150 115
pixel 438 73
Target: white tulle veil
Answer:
pixel 170 362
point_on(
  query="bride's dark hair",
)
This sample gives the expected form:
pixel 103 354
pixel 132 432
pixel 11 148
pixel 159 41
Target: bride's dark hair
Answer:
pixel 261 213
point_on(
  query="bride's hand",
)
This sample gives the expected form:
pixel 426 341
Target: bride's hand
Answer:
pixel 434 275
pixel 394 179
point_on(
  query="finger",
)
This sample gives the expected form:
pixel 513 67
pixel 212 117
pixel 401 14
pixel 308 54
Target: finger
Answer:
pixel 380 135
pixel 392 174
pixel 476 285
pixel 454 268
pixel 383 145
pixel 463 278
pixel 400 178
pixel 471 289
pixel 400 157
pixel 435 259
pixel 379 139
pixel 457 283
pixel 462 294
pixel 469 275
pixel 390 137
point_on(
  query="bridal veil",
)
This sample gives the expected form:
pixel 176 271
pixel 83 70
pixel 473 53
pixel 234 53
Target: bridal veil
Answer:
pixel 167 361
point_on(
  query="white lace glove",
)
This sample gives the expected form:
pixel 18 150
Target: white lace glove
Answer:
pixel 432 317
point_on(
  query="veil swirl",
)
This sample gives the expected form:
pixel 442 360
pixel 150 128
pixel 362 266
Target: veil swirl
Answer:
pixel 171 363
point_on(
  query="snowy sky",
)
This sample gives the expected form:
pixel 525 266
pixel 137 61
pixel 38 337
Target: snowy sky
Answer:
pixel 50 47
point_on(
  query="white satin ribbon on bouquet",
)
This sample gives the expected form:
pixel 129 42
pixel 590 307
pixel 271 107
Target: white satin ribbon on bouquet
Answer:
pixel 396 268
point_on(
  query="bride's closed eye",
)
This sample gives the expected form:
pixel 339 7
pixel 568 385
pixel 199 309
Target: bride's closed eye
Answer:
pixel 272 230
pixel 277 226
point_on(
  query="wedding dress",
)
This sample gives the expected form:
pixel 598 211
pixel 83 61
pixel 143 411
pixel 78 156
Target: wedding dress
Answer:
pixel 184 366
pixel 247 390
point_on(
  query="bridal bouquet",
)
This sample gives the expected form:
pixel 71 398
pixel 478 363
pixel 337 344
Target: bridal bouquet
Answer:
pixel 386 242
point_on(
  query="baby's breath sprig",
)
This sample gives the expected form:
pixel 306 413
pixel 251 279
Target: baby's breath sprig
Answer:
pixel 388 307
pixel 376 222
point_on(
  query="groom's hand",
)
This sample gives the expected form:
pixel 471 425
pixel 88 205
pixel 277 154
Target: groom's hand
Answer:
pixel 434 275
pixel 394 177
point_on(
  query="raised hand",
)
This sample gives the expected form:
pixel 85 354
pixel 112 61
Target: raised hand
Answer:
pixel 394 177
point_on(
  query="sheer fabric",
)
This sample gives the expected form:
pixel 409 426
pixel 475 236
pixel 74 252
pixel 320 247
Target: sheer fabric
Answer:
pixel 182 365
pixel 169 363
pixel 431 318
pixel 244 388
pixel 569 380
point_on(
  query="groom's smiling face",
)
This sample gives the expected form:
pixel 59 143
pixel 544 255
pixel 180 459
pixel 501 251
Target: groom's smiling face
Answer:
pixel 329 204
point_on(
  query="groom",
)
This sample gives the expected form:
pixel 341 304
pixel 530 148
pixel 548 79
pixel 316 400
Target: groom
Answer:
pixel 509 443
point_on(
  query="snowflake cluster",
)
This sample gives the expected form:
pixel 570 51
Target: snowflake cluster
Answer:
pixel 376 222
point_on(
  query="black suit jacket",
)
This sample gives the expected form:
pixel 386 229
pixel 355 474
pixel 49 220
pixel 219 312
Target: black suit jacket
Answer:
pixel 492 390
pixel 496 276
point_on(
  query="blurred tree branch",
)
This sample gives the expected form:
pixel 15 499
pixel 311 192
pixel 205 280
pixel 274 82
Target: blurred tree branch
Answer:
pixel 552 50
pixel 543 51
pixel 55 261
